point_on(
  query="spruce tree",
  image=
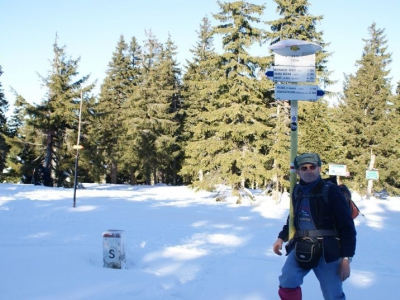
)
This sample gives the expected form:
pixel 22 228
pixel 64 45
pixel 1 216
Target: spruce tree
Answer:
pixel 130 163
pixel 142 110
pixel 25 144
pixel 198 86
pixel 153 112
pixel 233 121
pixel 57 117
pixel 368 120
pixel 3 128
pixel 320 132
pixel 115 91
pixel 169 85
pixel 391 173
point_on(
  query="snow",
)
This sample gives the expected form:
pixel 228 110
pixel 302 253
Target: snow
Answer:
pixel 179 244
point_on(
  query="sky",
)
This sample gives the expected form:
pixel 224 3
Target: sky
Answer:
pixel 90 29
pixel 178 245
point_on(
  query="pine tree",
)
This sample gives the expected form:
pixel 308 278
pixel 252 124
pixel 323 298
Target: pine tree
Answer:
pixel 391 171
pixel 278 146
pixel 153 112
pixel 367 116
pixel 199 78
pixel 233 119
pixel 115 91
pixel 167 146
pixel 321 136
pixel 130 163
pixel 44 134
pixel 142 109
pixel 3 128
pixel 57 115
pixel 25 145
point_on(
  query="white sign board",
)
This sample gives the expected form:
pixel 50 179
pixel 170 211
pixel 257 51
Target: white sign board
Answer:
pixel 295 60
pixel 338 170
pixel 293 74
pixel 297 92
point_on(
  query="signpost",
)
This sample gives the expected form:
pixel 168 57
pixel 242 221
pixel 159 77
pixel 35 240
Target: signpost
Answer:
pixel 290 56
pixel 77 147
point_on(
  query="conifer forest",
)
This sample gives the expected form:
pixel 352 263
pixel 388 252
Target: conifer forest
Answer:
pixel 213 121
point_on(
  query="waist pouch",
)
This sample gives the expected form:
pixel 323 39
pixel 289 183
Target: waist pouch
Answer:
pixel 308 252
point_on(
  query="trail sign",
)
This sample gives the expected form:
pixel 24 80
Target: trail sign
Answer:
pixel 338 170
pixel 372 175
pixel 295 60
pixel 291 74
pixel 298 92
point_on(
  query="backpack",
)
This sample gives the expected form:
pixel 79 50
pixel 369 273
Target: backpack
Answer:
pixel 353 209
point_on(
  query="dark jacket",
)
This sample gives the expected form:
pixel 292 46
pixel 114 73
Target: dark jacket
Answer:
pixel 333 215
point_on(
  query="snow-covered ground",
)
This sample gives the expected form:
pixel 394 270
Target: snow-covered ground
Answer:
pixel 178 244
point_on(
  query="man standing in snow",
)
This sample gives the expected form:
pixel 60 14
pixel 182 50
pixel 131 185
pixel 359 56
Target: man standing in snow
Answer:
pixel 324 239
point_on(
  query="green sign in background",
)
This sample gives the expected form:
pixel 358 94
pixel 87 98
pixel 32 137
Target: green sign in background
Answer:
pixel 372 174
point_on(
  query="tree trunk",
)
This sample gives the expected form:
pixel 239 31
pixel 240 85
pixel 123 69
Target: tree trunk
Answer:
pixel 113 175
pixel 154 176
pixel 174 179
pixel 201 176
pixel 133 179
pixel 48 160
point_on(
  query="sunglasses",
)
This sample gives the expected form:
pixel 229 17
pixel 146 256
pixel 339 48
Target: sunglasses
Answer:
pixel 305 168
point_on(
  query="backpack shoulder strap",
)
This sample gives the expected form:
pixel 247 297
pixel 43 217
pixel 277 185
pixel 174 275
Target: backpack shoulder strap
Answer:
pixel 321 190
pixel 325 191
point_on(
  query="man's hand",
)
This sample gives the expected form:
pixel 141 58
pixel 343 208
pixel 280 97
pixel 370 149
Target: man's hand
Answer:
pixel 277 246
pixel 344 269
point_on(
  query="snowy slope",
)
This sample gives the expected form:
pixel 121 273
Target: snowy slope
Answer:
pixel 179 245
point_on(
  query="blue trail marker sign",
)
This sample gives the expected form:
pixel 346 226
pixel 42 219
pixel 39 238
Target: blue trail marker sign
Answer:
pixel 298 92
pixel 291 74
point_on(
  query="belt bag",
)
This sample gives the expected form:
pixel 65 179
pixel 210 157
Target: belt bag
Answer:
pixel 308 252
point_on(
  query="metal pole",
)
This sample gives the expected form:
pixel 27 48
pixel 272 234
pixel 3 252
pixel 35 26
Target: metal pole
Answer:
pixel 75 176
pixel 77 150
pixel 293 154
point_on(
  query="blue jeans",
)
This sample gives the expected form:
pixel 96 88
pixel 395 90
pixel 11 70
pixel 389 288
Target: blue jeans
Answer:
pixel 327 274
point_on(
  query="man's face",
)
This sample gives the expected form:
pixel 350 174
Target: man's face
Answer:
pixel 308 172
